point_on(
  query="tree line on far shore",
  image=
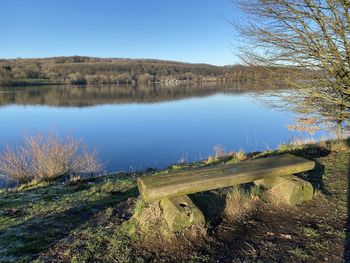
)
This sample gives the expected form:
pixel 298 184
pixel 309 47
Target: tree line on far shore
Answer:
pixel 89 70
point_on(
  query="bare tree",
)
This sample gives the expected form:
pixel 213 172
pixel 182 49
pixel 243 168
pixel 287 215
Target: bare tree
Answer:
pixel 5 74
pixel 311 35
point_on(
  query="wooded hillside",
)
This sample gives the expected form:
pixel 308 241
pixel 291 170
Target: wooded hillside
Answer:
pixel 90 70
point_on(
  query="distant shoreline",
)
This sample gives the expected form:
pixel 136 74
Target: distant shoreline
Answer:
pixel 47 82
pixel 89 70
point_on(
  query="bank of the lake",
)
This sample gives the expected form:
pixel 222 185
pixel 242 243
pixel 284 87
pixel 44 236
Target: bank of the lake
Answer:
pixel 91 220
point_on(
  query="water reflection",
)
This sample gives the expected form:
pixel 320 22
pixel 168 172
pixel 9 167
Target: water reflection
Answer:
pixel 83 96
pixel 137 128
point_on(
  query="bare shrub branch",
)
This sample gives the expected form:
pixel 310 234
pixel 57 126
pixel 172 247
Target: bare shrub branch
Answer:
pixel 220 152
pixel 48 157
pixel 16 164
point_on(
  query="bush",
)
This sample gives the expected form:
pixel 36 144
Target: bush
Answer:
pixel 219 151
pixel 47 157
pixel 15 164
pixel 240 155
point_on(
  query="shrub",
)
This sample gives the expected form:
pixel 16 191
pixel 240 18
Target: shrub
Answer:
pixel 240 155
pixel 48 157
pixel 219 151
pixel 16 164
pixel 211 160
pixel 338 146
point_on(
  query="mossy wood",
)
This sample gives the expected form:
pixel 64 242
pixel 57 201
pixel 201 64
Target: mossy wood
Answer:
pixel 157 187
pixel 181 213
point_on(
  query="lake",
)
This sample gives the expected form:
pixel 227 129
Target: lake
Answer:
pixel 138 128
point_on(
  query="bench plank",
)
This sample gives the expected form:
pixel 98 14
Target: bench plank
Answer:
pixel 156 187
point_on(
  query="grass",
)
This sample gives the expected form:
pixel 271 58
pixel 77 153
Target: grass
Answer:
pixel 34 218
pixel 240 202
pixel 102 219
pixel 299 253
pixel 101 244
pixel 310 232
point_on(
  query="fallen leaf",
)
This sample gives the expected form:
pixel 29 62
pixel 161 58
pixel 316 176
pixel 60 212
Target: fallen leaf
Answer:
pixel 286 236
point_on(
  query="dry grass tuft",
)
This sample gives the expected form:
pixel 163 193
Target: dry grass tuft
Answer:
pixel 150 228
pixel 339 146
pixel 48 157
pixel 240 155
pixel 150 222
pixel 239 203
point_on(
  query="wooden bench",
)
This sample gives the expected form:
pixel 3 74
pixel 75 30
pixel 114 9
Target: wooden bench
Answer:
pixel 274 173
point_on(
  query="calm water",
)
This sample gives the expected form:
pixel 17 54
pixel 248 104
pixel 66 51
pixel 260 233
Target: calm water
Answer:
pixel 134 129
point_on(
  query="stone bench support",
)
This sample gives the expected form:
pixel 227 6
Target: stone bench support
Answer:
pixel 180 213
pixel 289 189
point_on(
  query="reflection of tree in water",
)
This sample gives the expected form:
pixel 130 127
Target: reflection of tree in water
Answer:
pixel 80 96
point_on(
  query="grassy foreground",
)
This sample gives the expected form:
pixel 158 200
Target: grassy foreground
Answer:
pixel 103 220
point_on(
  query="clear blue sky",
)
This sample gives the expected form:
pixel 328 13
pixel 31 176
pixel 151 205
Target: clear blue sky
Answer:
pixel 182 30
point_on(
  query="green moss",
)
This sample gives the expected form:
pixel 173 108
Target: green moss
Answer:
pixel 181 213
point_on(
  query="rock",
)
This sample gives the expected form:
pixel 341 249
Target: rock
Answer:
pixel 181 213
pixel 290 189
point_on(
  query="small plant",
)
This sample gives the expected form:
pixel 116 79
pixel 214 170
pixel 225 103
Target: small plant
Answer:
pixel 289 147
pixel 211 160
pixel 299 253
pixel 48 157
pixel 310 232
pixel 339 146
pixel 339 234
pixel 75 179
pixel 219 151
pixel 239 203
pixel 240 155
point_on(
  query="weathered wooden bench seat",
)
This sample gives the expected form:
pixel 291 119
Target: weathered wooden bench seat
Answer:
pixel 271 172
pixel 156 187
